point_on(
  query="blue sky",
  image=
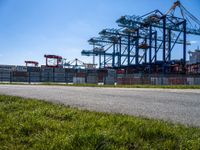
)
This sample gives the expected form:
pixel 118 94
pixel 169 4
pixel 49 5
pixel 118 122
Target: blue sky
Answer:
pixel 31 28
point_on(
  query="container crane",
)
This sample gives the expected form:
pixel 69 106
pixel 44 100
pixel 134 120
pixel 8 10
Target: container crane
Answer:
pixel 76 64
pixel 32 63
pixel 147 41
pixel 53 61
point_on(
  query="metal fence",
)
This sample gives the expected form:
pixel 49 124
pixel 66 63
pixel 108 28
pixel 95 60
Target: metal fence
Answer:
pixel 58 75
pixel 95 76
pixel 152 79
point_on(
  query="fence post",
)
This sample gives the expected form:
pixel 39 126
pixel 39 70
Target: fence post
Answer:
pixel 53 74
pixel 29 78
pixel 41 75
pixel 11 76
pixel 48 77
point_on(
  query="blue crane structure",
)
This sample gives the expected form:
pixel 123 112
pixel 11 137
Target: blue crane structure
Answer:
pixel 146 43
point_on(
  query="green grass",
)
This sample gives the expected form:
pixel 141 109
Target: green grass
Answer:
pixel 31 124
pixel 136 86
pixel 114 86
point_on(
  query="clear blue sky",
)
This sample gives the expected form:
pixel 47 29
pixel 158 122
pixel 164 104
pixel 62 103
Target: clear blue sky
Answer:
pixel 31 28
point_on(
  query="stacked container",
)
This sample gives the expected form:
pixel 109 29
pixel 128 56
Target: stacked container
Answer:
pixel 19 76
pixel 34 74
pixel 46 74
pixel 78 80
pixel 145 80
pixel 69 74
pixel 102 74
pixel 120 76
pixel 110 79
pixel 59 75
pixel 197 81
pixel 79 77
pixel 128 79
pixel 177 80
pixel 156 81
pixel 190 81
pixel 5 73
pixel 92 76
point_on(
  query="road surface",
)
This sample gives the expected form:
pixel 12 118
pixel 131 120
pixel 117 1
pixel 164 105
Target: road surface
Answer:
pixel 178 106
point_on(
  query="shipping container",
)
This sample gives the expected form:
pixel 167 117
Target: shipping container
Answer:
pixel 5 71
pixel 47 69
pixel 46 74
pixel 111 73
pixel 130 81
pixel 92 71
pixel 19 79
pixel 70 70
pixel 59 80
pixel 156 81
pixel 92 79
pixel 20 74
pixel 33 69
pixel 78 80
pixel 21 68
pixel 47 79
pixel 129 75
pixel 5 80
pixel 70 75
pixel 101 77
pixel 165 81
pixel 59 70
pixel 177 81
pixel 59 75
pixel 7 67
pixel 34 79
pixel 120 71
pixel 5 75
pixel 81 71
pixel 110 80
pixel 80 74
pixel 69 79
pixel 197 81
pixel 34 74
pixel 190 81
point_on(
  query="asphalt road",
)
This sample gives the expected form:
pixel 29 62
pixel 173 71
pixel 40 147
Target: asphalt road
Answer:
pixel 178 106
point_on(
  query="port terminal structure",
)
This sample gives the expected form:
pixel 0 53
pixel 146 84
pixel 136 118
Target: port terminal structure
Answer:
pixel 148 43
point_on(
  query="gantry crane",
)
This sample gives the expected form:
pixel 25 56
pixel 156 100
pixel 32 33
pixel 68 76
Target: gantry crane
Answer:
pixel 142 40
pixel 77 64
pixel 31 63
pixel 53 61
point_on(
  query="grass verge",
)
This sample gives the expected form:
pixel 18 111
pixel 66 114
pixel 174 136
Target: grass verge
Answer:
pixel 138 86
pixel 32 124
pixel 112 86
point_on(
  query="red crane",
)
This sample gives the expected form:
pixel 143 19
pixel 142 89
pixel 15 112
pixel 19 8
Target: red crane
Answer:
pixel 32 63
pixel 54 61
